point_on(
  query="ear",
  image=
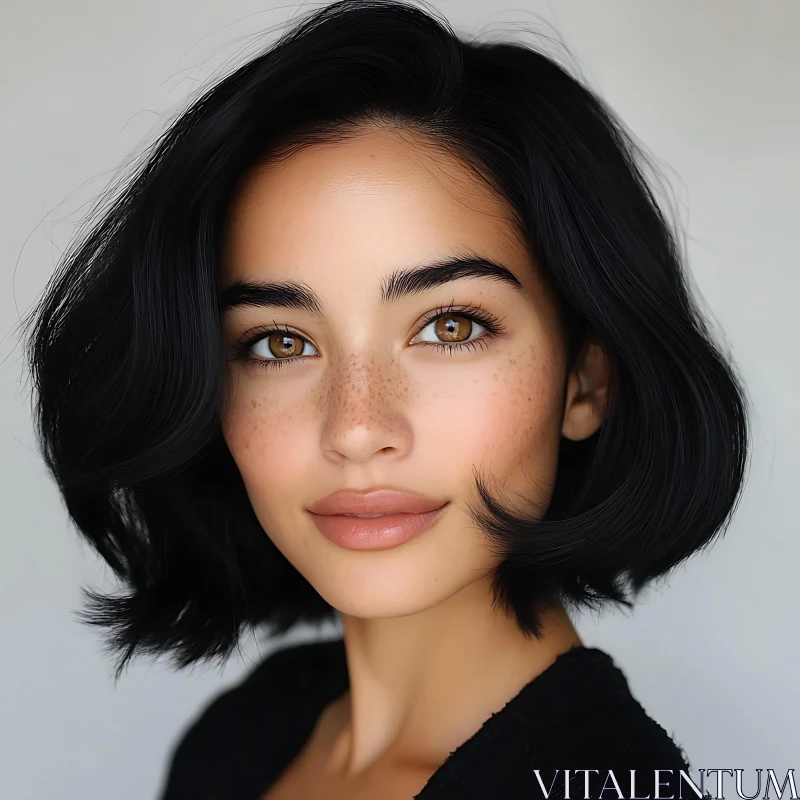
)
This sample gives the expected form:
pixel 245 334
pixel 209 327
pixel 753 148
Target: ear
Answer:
pixel 587 390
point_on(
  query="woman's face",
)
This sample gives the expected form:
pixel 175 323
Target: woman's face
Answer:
pixel 367 398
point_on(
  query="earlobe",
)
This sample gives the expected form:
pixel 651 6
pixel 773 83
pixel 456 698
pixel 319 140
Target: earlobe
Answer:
pixel 586 395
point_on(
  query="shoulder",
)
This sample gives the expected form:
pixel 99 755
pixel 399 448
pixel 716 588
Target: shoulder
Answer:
pixel 230 748
pixel 273 686
pixel 602 720
pixel 577 715
pixel 618 727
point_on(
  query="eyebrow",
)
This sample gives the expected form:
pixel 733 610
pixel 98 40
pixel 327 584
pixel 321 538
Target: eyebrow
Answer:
pixel 400 283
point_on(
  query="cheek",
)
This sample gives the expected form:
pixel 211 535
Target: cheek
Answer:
pixel 528 395
pixel 505 420
pixel 266 441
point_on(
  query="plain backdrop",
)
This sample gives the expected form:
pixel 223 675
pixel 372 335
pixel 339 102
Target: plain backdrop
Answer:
pixel 713 90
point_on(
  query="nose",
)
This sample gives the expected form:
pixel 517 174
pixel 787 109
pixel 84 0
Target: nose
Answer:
pixel 366 411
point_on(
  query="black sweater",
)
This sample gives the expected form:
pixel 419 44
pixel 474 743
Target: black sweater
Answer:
pixel 578 714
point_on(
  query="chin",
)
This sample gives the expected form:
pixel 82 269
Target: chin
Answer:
pixel 384 584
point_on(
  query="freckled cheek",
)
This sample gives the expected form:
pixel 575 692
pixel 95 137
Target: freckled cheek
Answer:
pixel 265 438
pixel 510 414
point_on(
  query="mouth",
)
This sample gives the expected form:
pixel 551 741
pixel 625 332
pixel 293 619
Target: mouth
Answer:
pixel 376 531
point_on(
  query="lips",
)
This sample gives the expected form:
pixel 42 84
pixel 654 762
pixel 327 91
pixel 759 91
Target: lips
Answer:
pixel 374 502
pixel 382 533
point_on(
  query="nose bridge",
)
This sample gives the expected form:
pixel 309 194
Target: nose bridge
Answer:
pixel 363 405
pixel 361 386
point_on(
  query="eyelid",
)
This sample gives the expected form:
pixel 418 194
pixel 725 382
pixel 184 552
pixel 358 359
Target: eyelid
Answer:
pixel 254 334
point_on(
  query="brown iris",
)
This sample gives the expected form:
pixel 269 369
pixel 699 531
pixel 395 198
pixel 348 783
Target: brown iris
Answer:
pixel 453 328
pixel 285 345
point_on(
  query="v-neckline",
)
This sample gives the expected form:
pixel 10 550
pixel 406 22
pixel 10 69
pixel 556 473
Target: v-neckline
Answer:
pixel 536 691
pixel 532 693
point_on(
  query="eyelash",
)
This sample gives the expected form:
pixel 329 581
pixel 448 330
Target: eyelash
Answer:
pixel 493 328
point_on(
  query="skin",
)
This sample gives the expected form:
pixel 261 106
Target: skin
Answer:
pixel 429 658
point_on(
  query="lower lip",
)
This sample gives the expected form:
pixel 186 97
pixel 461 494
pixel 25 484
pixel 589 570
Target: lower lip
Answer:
pixel 380 533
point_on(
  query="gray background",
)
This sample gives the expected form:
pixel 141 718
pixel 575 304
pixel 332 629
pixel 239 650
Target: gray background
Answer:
pixel 711 87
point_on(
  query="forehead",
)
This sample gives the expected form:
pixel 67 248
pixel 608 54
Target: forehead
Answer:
pixel 381 197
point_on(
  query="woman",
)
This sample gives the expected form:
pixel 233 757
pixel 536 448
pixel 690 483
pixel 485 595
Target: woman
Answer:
pixel 389 329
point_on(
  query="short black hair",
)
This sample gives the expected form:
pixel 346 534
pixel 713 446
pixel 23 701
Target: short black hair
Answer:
pixel 129 369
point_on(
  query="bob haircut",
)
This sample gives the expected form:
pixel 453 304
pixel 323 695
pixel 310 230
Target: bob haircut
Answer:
pixel 129 366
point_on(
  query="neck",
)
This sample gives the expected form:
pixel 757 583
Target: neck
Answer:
pixel 422 684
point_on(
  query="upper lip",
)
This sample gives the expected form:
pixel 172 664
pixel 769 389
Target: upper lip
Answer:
pixel 375 501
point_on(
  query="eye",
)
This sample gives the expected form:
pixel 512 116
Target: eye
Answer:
pixel 450 328
pixel 281 345
pixel 272 347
